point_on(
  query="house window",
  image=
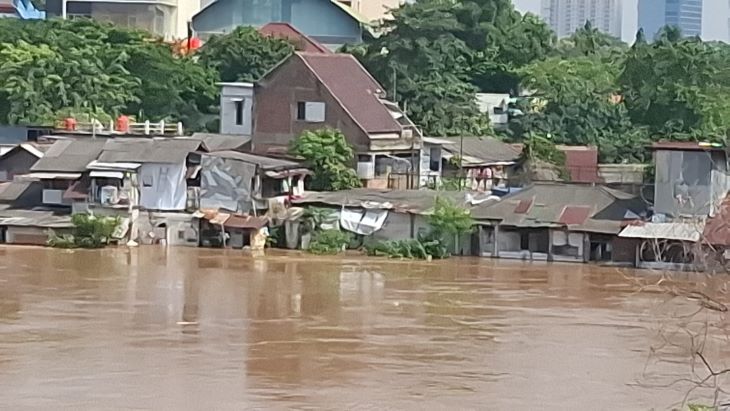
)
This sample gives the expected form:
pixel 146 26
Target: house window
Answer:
pixel 147 181
pixel 132 21
pixel 239 112
pixel 312 112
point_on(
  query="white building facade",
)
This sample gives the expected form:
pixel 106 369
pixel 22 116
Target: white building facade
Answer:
pixel 567 16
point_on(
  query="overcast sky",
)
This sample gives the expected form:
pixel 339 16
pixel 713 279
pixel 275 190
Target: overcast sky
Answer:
pixel 714 17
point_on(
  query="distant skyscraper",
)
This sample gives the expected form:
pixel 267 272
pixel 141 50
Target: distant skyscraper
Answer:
pixel 566 16
pixel 685 14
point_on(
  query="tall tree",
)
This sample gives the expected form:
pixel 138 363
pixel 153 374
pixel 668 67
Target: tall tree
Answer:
pixel 678 86
pixel 244 54
pixel 582 107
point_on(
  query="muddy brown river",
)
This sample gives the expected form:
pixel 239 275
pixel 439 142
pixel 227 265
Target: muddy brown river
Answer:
pixel 201 329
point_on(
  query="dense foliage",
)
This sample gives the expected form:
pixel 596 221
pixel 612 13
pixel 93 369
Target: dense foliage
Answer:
pixel 89 231
pixel 446 223
pixel 53 68
pixel 329 242
pixel 243 54
pixel 330 157
pixel 432 58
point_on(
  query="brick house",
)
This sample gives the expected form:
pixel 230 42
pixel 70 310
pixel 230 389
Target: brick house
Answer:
pixel 311 91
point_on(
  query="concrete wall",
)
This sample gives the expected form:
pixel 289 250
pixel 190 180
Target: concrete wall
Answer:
pixel 30 235
pixel 231 95
pixel 275 109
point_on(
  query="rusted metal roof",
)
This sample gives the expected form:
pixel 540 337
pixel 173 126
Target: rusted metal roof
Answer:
pixel 572 215
pixel 717 227
pixel 523 206
pixel 239 221
pixel 354 87
pixel 579 206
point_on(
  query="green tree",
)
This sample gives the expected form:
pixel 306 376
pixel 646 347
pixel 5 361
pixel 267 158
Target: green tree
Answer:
pixel 582 107
pixel 326 151
pixel 243 54
pixel 449 220
pixel 587 41
pixel 678 87
pixel 36 81
pixel 87 67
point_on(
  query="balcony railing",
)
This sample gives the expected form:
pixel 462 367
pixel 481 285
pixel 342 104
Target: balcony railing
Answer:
pixel 146 128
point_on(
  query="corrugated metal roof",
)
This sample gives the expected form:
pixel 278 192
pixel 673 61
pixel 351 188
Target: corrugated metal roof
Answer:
pixel 410 201
pixel 14 189
pixel 34 218
pixel 148 150
pixel 523 206
pixel 354 88
pixel 481 151
pixel 573 215
pixel 681 231
pixel 218 142
pixel 69 155
pixel 551 200
pixel 266 163
pixel 239 221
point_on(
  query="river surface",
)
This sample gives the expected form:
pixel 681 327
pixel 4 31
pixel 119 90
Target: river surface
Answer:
pixel 202 329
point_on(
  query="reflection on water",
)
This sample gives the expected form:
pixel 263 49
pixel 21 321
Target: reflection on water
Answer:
pixel 210 329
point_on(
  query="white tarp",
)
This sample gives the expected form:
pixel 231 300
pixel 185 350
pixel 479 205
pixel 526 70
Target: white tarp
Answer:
pixel 364 222
pixel 162 186
pixel 226 183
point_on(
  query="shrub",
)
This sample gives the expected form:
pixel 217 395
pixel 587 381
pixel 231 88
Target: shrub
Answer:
pixel 89 231
pixel 329 242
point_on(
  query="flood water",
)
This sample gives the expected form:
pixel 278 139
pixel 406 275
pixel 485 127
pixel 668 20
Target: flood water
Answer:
pixel 201 329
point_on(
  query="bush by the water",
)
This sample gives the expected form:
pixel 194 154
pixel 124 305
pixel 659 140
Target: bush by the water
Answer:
pixel 422 248
pixel 89 231
pixel 329 242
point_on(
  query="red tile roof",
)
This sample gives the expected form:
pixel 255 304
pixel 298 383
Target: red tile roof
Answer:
pixel 354 88
pixel 301 41
pixel 574 215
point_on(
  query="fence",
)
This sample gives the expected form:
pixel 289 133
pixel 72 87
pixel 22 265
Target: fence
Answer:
pixel 146 128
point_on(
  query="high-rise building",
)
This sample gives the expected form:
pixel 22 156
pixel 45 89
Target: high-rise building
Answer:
pixel 567 16
pixel 685 14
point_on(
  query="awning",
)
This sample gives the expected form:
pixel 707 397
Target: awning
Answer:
pixel 100 165
pixel 439 141
pixel 680 231
pixel 287 173
pixel 53 176
pixel 106 174
pixel 237 221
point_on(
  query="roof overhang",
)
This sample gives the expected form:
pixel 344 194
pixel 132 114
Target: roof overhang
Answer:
pixel 49 176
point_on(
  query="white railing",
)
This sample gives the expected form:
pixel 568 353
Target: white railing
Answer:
pixel 146 128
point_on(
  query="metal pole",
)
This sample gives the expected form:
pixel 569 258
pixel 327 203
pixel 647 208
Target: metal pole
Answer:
pixel 461 160
pixel 395 80
pixel 64 6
